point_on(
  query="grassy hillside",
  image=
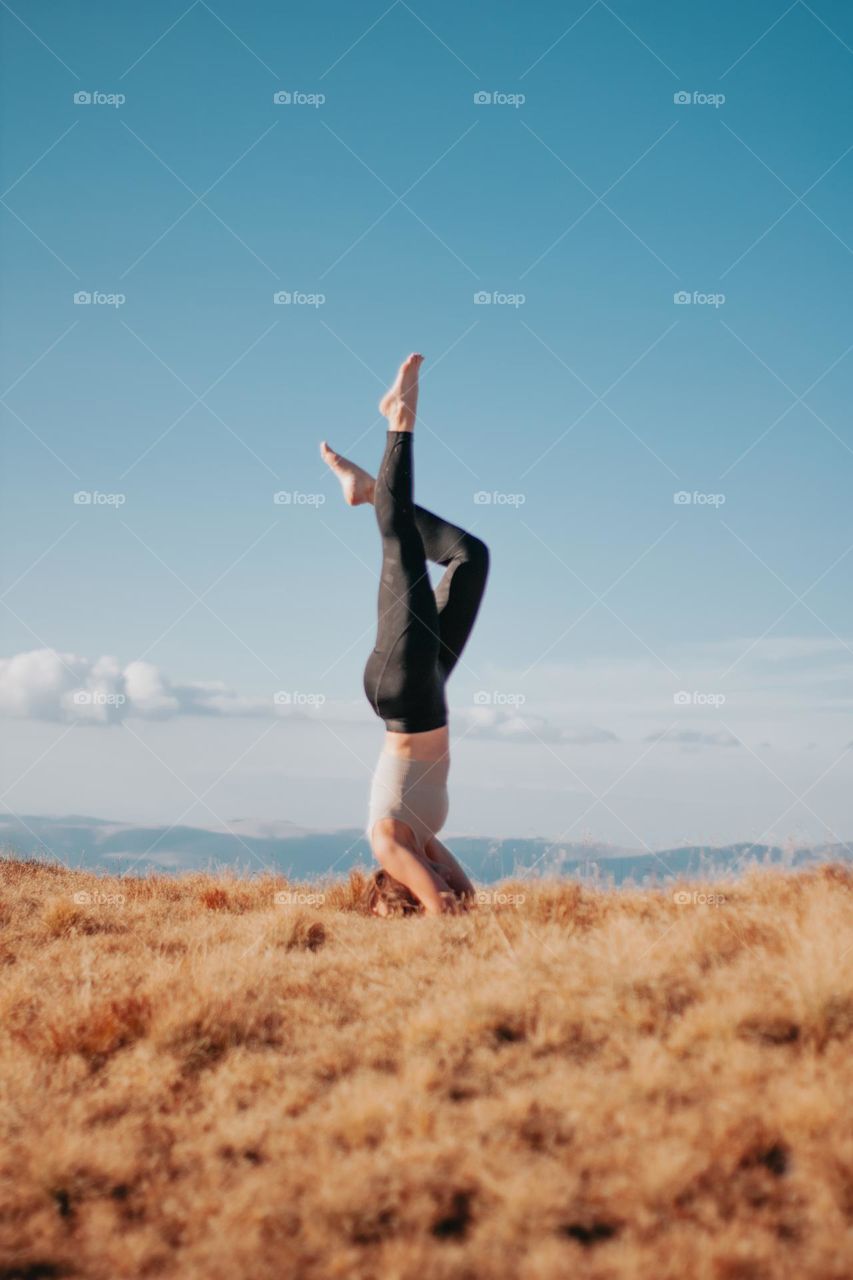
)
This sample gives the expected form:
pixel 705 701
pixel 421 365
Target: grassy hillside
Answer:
pixel 197 1080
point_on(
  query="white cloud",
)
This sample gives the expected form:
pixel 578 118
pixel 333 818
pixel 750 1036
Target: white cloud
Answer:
pixel 694 738
pixel 787 691
pixel 520 725
pixel 147 690
pixel 33 684
pixel 46 685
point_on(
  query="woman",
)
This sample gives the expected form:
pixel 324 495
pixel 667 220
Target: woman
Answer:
pixel 420 637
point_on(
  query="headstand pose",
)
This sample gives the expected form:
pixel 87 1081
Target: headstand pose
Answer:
pixel 420 637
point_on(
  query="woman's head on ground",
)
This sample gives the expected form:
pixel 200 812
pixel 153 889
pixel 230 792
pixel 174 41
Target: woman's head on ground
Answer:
pixel 385 896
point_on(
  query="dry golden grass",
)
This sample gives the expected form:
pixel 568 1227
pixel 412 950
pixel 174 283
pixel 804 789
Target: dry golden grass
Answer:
pixel 197 1081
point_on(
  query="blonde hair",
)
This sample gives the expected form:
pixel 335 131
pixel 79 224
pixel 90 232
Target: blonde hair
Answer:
pixel 398 900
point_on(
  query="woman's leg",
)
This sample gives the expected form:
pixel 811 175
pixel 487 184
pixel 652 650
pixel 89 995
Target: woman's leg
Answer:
pixel 407 610
pixel 460 591
pixel 403 678
pixel 466 557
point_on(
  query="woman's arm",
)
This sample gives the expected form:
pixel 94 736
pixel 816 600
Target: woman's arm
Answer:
pixel 390 840
pixel 449 868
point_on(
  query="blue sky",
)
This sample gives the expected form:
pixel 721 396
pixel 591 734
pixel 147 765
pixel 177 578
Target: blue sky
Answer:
pixel 581 407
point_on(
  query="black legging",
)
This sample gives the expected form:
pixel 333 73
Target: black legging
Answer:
pixel 421 633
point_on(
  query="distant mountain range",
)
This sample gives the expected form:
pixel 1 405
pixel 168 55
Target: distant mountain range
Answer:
pixel 283 848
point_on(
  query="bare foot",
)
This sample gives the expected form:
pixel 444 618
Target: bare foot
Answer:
pixel 356 483
pixel 399 405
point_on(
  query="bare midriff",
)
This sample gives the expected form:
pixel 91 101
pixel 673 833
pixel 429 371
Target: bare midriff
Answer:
pixel 432 745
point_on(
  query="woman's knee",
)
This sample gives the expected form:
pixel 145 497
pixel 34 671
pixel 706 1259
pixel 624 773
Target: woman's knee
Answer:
pixel 476 553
